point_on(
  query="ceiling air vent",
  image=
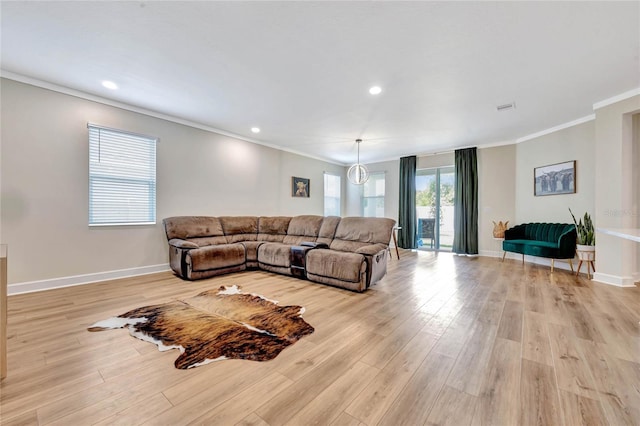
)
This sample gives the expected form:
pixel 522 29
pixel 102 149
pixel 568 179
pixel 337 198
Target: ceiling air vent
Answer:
pixel 507 107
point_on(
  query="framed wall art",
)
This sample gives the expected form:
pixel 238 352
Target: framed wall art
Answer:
pixel 555 179
pixel 300 187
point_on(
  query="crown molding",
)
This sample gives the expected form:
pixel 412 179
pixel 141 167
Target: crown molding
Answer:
pixel 557 128
pixel 105 101
pixel 617 98
pixel 94 98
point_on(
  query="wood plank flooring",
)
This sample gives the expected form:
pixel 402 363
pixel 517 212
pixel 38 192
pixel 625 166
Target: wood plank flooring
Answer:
pixel 440 340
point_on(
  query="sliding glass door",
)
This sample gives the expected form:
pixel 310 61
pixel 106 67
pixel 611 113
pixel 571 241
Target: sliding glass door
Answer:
pixel 434 208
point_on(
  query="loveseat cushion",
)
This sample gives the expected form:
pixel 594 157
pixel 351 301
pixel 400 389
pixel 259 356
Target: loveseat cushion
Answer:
pixel 532 243
pixel 549 232
pixel 533 248
pixel 240 228
pixel 217 257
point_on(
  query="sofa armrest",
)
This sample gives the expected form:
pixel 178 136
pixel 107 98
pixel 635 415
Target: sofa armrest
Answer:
pixel 298 259
pixel 178 243
pixel 567 242
pixel 515 233
pixel 372 249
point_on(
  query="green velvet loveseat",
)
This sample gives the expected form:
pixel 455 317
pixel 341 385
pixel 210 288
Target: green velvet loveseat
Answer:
pixel 549 240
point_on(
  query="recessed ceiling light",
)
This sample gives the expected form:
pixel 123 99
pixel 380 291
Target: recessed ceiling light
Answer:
pixel 375 90
pixel 110 85
pixel 255 129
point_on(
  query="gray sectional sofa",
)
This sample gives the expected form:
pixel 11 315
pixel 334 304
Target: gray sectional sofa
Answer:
pixel 349 252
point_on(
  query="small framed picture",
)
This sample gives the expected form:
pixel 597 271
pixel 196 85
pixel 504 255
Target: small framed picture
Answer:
pixel 300 187
pixel 555 179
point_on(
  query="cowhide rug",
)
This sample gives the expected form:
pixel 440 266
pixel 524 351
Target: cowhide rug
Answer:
pixel 215 325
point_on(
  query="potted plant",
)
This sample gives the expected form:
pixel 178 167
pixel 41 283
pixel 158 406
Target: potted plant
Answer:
pixel 586 241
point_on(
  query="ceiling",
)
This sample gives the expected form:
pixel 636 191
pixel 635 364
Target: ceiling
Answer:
pixel 301 71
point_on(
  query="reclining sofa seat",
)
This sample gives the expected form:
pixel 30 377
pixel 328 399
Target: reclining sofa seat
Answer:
pixel 355 257
pixel 276 256
pixel 198 248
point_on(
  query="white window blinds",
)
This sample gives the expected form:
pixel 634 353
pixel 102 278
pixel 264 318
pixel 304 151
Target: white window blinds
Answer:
pixel 373 195
pixel 122 177
pixel 331 195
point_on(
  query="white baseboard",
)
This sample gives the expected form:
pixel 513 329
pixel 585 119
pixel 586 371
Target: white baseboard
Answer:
pixel 614 280
pixel 563 264
pixel 558 264
pixel 31 286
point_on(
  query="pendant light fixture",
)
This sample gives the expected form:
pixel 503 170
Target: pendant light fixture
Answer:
pixel 358 173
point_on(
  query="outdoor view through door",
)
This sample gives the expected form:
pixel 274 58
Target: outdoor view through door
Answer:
pixel 434 208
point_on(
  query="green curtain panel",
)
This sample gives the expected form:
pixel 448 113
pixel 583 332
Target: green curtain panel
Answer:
pixel 407 213
pixel 465 211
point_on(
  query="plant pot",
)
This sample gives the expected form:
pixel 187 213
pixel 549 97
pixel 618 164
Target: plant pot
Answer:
pixel 586 253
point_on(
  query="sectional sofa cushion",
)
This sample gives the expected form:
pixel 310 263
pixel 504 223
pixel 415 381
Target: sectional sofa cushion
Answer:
pixel 328 229
pixel 353 233
pixel 240 228
pixel 251 252
pixel 273 228
pixel 303 228
pixel 217 257
pixel 274 254
pixel 186 227
pixel 339 265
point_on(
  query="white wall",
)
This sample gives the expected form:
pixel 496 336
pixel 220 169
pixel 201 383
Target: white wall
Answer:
pixel 44 184
pixel 616 198
pixel 573 143
pixel 496 194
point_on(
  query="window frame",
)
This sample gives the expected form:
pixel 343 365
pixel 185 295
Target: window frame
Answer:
pixel 374 198
pixel 339 197
pixel 97 176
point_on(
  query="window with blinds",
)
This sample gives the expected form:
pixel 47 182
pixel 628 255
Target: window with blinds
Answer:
pixel 373 195
pixel 122 177
pixel 331 195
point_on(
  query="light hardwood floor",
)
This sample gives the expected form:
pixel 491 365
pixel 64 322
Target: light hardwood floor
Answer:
pixel 441 340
